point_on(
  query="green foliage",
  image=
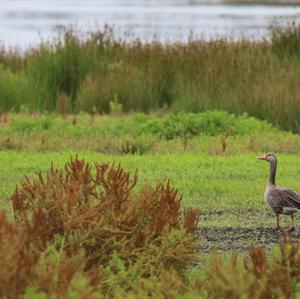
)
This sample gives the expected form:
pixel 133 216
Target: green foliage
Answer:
pixel 32 294
pixel 58 68
pixel 140 134
pixel 32 125
pixel 90 96
pixel 208 123
pixel 15 90
pixel 115 106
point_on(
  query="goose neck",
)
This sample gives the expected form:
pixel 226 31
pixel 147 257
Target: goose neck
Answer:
pixel 273 166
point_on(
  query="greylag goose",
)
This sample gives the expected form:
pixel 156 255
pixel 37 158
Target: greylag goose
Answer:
pixel 281 200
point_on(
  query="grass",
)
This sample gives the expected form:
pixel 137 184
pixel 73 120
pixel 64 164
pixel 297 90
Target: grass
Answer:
pixel 101 73
pixel 209 183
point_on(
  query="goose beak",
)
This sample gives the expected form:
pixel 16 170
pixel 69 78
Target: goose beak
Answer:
pixel 262 158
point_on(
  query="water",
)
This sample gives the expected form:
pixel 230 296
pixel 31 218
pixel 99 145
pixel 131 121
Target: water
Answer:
pixel 24 22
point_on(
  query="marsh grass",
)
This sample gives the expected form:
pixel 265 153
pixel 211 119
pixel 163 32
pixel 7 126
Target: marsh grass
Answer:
pixel 260 78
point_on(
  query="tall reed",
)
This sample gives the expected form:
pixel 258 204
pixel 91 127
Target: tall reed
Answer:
pixel 260 78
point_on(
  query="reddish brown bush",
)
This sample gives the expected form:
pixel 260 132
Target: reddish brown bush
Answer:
pixel 73 220
pixel 17 257
pixel 280 274
pixel 262 277
pixel 101 210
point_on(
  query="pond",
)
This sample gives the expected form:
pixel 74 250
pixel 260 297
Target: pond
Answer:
pixel 24 22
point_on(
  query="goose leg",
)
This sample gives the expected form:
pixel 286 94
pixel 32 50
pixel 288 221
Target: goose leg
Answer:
pixel 277 221
pixel 293 222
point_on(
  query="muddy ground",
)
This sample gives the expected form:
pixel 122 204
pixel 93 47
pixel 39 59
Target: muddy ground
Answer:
pixel 239 230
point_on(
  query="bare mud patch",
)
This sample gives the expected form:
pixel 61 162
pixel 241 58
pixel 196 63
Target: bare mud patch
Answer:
pixel 227 239
pixel 227 231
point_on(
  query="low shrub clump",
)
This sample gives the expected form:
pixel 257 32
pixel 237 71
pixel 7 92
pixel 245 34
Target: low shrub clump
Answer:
pixel 211 123
pixel 87 226
pixel 261 277
pixel 168 126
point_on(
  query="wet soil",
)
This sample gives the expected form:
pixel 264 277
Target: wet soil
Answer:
pixel 226 231
pixel 227 239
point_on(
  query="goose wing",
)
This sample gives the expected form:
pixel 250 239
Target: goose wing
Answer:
pixel 284 200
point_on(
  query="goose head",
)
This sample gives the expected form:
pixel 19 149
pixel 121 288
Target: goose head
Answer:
pixel 270 157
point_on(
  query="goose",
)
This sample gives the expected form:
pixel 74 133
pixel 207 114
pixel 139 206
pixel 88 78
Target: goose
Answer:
pixel 281 200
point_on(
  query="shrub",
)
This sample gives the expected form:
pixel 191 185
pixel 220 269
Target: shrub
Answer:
pixel 261 277
pixel 74 223
pixel 207 123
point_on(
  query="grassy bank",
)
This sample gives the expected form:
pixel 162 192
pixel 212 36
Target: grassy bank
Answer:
pixel 103 74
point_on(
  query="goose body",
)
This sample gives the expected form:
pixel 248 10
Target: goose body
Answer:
pixel 281 200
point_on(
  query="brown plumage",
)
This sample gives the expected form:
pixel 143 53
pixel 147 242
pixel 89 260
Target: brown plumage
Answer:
pixel 281 200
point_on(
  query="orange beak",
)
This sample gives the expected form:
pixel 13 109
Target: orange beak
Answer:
pixel 262 158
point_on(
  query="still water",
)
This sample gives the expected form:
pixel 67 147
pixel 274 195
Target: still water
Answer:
pixel 24 22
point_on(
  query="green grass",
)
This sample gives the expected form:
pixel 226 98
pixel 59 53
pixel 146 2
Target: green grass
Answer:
pixel 228 183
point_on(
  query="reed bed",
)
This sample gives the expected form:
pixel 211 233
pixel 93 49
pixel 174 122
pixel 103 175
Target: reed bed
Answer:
pixel 101 73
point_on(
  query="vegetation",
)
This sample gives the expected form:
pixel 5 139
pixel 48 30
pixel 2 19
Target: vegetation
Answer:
pixel 84 234
pixel 91 229
pixel 227 189
pixel 101 73
pixel 72 222
pixel 211 132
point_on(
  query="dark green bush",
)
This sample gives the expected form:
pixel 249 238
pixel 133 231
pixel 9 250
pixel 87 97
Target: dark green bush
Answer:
pixel 207 123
